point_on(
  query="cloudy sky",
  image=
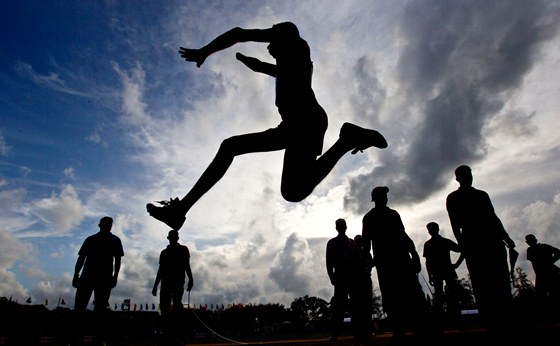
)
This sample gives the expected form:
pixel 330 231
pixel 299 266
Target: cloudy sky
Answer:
pixel 99 116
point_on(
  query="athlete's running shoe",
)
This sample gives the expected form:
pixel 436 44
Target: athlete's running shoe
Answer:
pixel 169 213
pixel 361 138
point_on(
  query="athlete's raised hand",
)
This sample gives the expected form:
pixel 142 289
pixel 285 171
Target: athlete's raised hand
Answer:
pixel 194 55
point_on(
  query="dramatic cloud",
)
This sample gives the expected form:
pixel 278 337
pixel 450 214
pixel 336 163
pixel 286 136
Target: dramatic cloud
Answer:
pixel 11 251
pixel 13 209
pixel 290 268
pixel 63 212
pixel 115 113
pixel 460 63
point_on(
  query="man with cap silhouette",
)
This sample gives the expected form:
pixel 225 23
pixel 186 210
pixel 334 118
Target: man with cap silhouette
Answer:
pixel 397 263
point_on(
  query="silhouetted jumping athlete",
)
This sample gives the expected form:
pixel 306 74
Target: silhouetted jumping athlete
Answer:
pixel 300 133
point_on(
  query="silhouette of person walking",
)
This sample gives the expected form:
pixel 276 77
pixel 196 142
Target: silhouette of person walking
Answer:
pixel 174 266
pixel 483 240
pixel 547 275
pixel 437 251
pixel 300 133
pixel 99 261
pixel 397 264
pixel 343 268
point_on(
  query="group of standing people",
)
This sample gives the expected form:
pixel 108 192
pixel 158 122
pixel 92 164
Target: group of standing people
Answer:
pixel 349 274
pixel 385 245
pixel 481 241
pixel 97 269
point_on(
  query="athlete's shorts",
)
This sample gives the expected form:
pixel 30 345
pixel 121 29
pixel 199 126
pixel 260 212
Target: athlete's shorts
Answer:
pixel 303 127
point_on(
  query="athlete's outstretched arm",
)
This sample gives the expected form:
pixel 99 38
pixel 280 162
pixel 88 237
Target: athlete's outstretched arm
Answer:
pixel 225 40
pixel 257 65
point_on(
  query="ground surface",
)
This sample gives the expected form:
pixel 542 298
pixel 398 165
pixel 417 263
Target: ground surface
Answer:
pixel 534 335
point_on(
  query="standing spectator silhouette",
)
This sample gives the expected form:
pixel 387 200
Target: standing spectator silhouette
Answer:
pixel 397 264
pixel 300 133
pixel 483 240
pixel 343 268
pixel 437 251
pixel 99 261
pixel 547 275
pixel 174 266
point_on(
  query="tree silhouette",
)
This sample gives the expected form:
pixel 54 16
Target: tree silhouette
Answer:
pixel 524 295
pixel 523 287
pixel 466 295
pixel 308 309
pixel 377 306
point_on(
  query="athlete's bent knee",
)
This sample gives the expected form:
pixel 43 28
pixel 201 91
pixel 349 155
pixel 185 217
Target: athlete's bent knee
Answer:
pixel 294 194
pixel 227 148
pixel 233 146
